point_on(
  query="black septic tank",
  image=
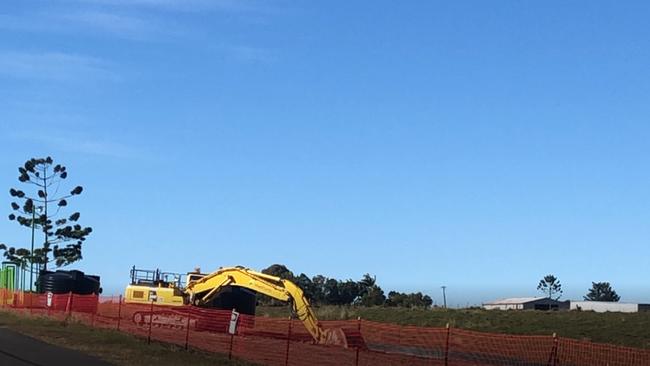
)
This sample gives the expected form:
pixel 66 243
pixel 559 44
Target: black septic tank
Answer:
pixel 63 282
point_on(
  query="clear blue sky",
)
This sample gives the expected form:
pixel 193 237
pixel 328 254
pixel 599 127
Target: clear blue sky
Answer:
pixel 479 145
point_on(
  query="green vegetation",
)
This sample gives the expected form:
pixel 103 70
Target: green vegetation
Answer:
pixel 112 346
pixel 321 290
pixel 601 291
pixel 631 329
pixel 551 287
pixel 39 209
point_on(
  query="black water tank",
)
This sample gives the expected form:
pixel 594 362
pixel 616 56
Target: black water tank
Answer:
pixel 63 282
pixel 233 297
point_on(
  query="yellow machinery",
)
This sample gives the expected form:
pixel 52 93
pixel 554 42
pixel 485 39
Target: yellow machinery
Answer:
pixel 167 289
pixel 161 288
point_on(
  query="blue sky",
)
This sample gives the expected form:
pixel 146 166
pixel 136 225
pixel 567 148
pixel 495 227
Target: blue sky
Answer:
pixel 478 145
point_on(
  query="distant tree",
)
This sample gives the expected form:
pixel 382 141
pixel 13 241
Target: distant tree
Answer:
pixel 373 296
pixel 332 296
pixel 423 300
pixel 319 282
pixel 307 287
pixel 412 300
pixel 41 206
pixel 348 292
pixel 321 290
pixel 551 287
pixel 279 270
pixel 368 281
pixel 370 294
pixel 395 299
pixel 601 291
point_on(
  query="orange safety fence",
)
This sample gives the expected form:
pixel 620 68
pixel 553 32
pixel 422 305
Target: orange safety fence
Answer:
pixel 286 342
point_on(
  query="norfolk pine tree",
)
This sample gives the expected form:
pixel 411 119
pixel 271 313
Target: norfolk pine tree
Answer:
pixel 43 206
pixel 602 291
pixel 550 286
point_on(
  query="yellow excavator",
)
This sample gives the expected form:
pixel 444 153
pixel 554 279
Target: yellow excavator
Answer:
pixel 168 289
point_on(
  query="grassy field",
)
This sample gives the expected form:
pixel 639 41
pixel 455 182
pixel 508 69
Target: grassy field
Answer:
pixel 115 347
pixel 631 330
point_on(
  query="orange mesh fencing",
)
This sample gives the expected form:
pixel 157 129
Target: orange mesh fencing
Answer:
pixel 286 342
pixel 574 352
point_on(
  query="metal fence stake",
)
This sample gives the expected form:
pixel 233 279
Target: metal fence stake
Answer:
pixel 71 303
pixel 150 323
pixel 356 361
pixel 286 356
pixel 447 345
pixel 232 339
pixel 187 330
pixel 553 358
pixel 119 312
pixel 67 303
pixel 94 314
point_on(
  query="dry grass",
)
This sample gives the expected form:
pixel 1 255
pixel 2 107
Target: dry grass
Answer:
pixel 632 330
pixel 112 346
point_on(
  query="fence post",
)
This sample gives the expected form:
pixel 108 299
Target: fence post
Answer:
pixel 552 361
pixel 286 356
pixel 232 339
pixel 71 295
pixel 356 361
pixel 187 330
pixel 447 345
pixel 150 322
pixel 232 329
pixel 67 304
pixel 119 312
pixel 92 320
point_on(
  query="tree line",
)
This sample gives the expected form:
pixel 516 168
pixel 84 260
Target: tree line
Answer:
pixel 321 290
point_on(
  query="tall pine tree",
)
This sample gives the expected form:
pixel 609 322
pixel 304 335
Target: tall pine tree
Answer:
pixel 41 206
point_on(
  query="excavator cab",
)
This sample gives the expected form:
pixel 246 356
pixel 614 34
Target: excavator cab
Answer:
pixel 161 288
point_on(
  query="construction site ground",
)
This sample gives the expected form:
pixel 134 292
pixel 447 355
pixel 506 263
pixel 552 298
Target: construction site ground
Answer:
pixel 44 342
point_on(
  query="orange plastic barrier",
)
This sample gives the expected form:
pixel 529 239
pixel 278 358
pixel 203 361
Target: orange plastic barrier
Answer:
pixel 285 342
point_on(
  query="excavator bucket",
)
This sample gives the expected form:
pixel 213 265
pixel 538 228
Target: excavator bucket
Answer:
pixel 347 338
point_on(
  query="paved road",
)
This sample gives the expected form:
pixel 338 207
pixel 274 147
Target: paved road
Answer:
pixel 19 350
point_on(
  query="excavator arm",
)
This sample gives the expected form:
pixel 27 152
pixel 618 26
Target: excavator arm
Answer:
pixel 203 290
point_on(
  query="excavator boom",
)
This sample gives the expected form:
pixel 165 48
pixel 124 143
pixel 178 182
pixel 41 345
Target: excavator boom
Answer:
pixel 203 290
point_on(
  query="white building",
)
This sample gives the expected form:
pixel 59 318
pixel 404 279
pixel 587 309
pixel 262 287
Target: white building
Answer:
pixel 526 303
pixel 605 306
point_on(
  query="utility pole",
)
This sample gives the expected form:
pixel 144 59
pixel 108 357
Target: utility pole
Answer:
pixel 444 296
pixel 46 245
pixel 31 254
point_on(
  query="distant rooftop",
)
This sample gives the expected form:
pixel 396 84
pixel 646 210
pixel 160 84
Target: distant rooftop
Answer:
pixel 514 300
